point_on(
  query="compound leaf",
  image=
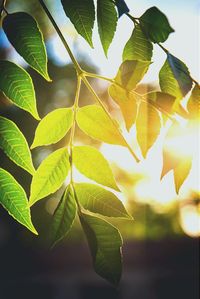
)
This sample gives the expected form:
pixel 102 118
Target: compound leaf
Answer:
pixel 107 22
pixel 53 127
pixel 63 216
pixel 92 164
pixel 13 199
pixel 17 86
pixel 82 15
pixel 105 245
pixel 50 175
pixel 24 34
pixel 155 25
pixel 14 144
pixel 93 120
pixel 98 200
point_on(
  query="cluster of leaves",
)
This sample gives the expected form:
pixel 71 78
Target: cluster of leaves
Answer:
pixel 87 200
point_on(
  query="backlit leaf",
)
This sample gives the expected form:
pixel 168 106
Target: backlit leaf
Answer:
pixel 93 121
pixel 98 200
pixel 24 34
pixel 155 25
pixel 14 144
pixel 91 163
pixel 138 47
pixel 105 245
pixel 131 73
pixel 127 102
pixel 107 22
pixel 63 216
pixel 53 127
pixel 161 99
pixel 50 175
pixel 82 15
pixel 121 7
pixel 148 125
pixel 17 86
pixel 13 199
pixel 193 105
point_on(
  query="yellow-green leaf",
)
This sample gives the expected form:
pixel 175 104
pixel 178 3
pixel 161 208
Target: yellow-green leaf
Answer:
pixel 93 120
pixel 13 198
pixel 193 105
pixel 53 127
pixel 91 163
pixel 50 175
pixel 17 86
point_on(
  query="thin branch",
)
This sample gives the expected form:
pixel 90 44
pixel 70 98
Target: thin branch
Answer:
pixel 3 8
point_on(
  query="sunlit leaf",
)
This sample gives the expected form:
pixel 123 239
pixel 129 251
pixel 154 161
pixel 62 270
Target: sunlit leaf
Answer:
pixel 148 125
pixel 14 144
pixel 127 102
pixel 175 78
pixel 98 200
pixel 138 47
pixel 63 216
pixel 50 175
pixel 121 7
pixel 105 244
pixel 181 172
pixel 107 22
pixel 17 86
pixel 193 105
pixel 53 127
pixel 92 164
pixel 13 199
pixel 131 73
pixel 155 25
pixel 93 121
pixel 24 34
pixel 163 100
pixel 82 15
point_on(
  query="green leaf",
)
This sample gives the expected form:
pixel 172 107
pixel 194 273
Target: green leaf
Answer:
pixel 13 199
pixel 175 78
pixel 14 144
pixel 50 175
pixel 17 86
pixel 127 103
pixel 161 99
pixel 82 15
pixel 148 125
pixel 93 121
pixel 193 105
pixel 63 217
pixel 121 7
pixel 53 127
pixel 138 47
pixel 131 73
pixel 91 163
pixel 98 200
pixel 24 34
pixel 107 22
pixel 105 244
pixel 155 25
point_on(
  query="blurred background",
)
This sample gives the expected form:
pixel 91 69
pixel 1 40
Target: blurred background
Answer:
pixel 161 247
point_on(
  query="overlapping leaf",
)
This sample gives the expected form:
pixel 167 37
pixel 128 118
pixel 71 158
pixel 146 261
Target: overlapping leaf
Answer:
pixel 92 164
pixel 17 86
pixel 63 216
pixel 105 244
pixel 193 105
pixel 50 175
pixel 138 47
pixel 131 73
pixel 163 100
pixel 148 125
pixel 127 102
pixel 14 144
pixel 13 199
pixel 93 120
pixel 82 15
pixel 107 22
pixel 155 25
pixel 98 200
pixel 53 127
pixel 24 34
